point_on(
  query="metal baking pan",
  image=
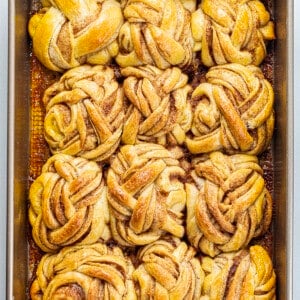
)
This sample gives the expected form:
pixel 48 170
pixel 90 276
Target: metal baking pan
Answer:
pixel 18 150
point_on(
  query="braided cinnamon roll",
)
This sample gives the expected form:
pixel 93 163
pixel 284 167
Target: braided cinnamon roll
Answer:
pixel 168 270
pixel 145 193
pixel 247 274
pixel 68 204
pixel 160 110
pixel 85 113
pixel 84 272
pixel 68 33
pixel 232 111
pixel 156 33
pixel 232 31
pixel 227 203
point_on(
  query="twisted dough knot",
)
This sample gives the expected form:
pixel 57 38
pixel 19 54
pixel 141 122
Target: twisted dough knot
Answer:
pixel 67 33
pixel 84 272
pixel 227 203
pixel 68 204
pixel 155 33
pixel 160 110
pixel 247 274
pixel 233 111
pixel 85 113
pixel 145 194
pixel 232 31
pixel 168 270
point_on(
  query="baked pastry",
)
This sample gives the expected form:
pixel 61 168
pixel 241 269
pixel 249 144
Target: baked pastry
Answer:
pixel 155 33
pixel 84 272
pixel 227 203
pixel 189 4
pixel 232 31
pixel 68 33
pixel 160 110
pixel 232 111
pixel 85 113
pixel 247 274
pixel 145 194
pixel 168 270
pixel 68 204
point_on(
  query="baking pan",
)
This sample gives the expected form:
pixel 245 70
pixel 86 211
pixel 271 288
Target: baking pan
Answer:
pixel 18 150
pixel 283 149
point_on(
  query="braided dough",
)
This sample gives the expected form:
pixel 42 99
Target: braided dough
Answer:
pixel 231 31
pixel 156 33
pixel 67 33
pixel 145 193
pixel 168 270
pixel 85 113
pixel 227 203
pixel 68 204
pixel 84 272
pixel 232 111
pixel 160 110
pixel 247 274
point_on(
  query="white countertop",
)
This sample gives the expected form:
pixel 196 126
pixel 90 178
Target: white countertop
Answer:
pixel 3 150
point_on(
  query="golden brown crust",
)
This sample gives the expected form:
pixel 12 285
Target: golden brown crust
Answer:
pixel 247 274
pixel 168 270
pixel 145 194
pixel 232 31
pixel 85 113
pixel 66 34
pixel 68 204
pixel 84 272
pixel 233 111
pixel 155 33
pixel 227 204
pixel 190 5
pixel 160 111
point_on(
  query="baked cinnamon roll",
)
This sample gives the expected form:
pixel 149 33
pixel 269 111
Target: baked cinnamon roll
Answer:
pixel 68 33
pixel 232 31
pixel 84 272
pixel 85 113
pixel 156 33
pixel 160 110
pixel 68 204
pixel 232 111
pixel 168 270
pixel 247 274
pixel 145 193
pixel 227 203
